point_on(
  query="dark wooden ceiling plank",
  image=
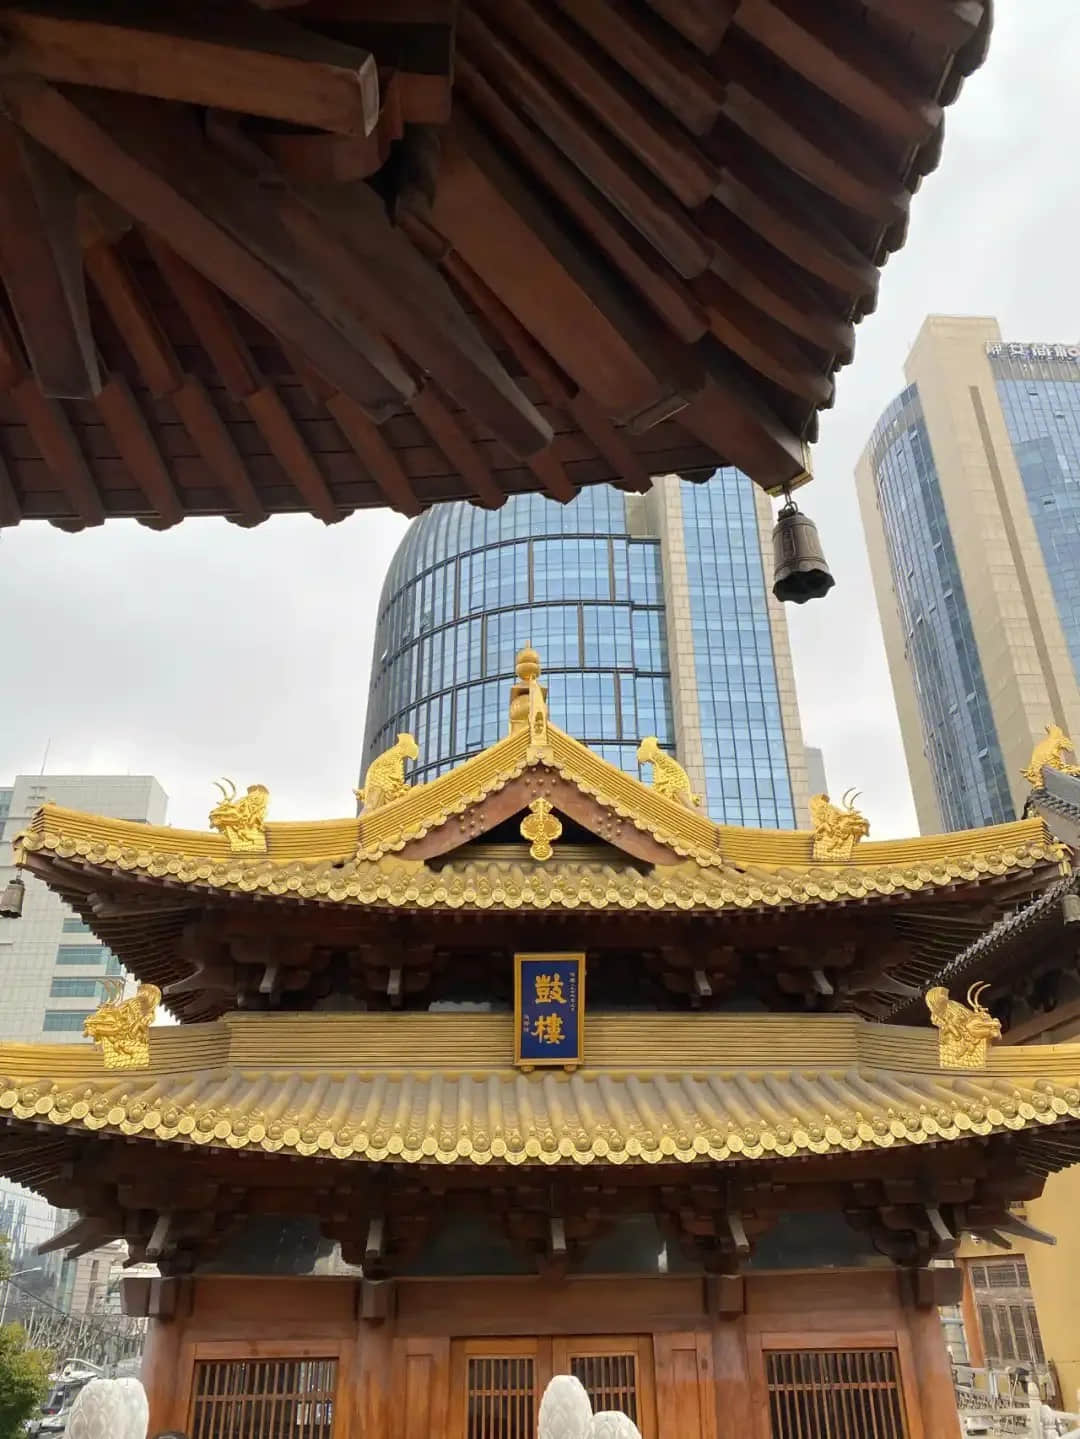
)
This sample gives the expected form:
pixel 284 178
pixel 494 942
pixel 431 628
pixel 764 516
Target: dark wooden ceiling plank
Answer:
pixel 233 57
pixel 548 469
pixel 217 447
pixel 830 48
pixel 134 319
pixel 567 303
pixel 554 385
pixel 764 208
pixel 648 206
pixel 773 286
pixel 346 232
pixel 733 421
pixel 799 135
pixel 761 342
pixel 233 361
pixel 163 376
pixel 702 22
pixel 375 454
pixel 42 265
pixel 667 292
pixel 146 170
pixel 655 56
pixel 948 23
pixel 59 448
pixel 456 445
pixel 139 450
pixel 11 511
pixel 624 109
pixel 295 458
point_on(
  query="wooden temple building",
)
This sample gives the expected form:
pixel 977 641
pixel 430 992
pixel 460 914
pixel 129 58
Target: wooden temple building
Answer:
pixel 533 1068
pixel 320 255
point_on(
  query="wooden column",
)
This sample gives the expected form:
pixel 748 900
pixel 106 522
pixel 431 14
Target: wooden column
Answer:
pixel 372 1395
pixel 160 1373
pixel 732 1377
pixel 934 1373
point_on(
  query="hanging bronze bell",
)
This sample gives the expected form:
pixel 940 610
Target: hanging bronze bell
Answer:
pixel 801 573
pixel 11 900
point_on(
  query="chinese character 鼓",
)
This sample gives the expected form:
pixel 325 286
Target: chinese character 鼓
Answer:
pixel 548 1029
pixel 549 989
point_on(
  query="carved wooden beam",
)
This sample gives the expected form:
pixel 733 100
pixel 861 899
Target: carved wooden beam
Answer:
pixel 234 57
pixel 42 265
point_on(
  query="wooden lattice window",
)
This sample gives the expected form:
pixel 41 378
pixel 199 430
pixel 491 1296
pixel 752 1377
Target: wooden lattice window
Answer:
pixel 263 1398
pixel 611 1380
pixel 1006 1309
pixel 835 1394
pixel 501 1397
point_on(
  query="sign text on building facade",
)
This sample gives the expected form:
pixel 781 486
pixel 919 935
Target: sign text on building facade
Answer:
pixel 549 1009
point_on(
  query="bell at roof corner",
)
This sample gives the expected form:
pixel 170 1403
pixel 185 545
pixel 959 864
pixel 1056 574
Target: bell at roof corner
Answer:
pixel 801 573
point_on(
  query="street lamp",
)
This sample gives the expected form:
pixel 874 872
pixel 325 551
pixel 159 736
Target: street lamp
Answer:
pixel 34 1269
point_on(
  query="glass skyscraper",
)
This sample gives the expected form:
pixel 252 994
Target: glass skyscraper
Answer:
pixel 970 493
pixel 651 617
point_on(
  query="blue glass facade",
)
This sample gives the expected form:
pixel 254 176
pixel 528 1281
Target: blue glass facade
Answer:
pixel 959 735
pixel 584 586
pixel 747 780
pixel 1040 399
pixel 468 588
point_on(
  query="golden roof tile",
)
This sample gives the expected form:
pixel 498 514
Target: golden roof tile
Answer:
pixel 653 1090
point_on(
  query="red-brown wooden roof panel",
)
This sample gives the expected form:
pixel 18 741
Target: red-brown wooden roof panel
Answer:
pixel 524 244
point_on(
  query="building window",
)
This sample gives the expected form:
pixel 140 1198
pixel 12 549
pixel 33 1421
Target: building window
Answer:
pixel 67 1020
pixel 74 925
pixel 75 989
pixel 822 1393
pixel 1006 1309
pixel 263 1396
pixel 86 954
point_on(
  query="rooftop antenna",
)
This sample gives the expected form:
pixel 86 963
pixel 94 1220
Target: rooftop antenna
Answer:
pixel 45 756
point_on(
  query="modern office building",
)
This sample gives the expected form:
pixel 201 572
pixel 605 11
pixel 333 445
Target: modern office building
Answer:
pixel 51 965
pixel 651 615
pixel 970 496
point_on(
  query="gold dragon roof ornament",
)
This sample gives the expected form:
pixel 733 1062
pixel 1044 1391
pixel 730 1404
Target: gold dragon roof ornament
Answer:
pixel 242 820
pixel 1050 753
pixel 668 776
pixel 965 1030
pixel 122 1026
pixel 836 830
pixel 385 779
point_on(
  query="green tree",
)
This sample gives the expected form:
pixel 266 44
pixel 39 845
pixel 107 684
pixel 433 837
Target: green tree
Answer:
pixel 24 1373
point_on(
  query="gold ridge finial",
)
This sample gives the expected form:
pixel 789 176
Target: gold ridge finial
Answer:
pixel 965 1030
pixel 528 698
pixel 122 1026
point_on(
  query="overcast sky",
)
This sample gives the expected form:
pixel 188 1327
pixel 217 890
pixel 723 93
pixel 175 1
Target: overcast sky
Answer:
pixel 211 650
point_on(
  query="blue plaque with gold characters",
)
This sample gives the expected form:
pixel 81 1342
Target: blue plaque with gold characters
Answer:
pixel 549 1009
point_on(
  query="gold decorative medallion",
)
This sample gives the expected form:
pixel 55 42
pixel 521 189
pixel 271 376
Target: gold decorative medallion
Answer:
pixel 1050 753
pixel 668 776
pixel 837 830
pixel 122 1026
pixel 385 779
pixel 242 821
pixel 541 829
pixel 966 1030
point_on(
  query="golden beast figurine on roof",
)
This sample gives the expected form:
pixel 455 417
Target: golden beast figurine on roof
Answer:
pixel 385 779
pixel 242 820
pixel 1050 753
pixel 122 1026
pixel 836 830
pixel 966 1030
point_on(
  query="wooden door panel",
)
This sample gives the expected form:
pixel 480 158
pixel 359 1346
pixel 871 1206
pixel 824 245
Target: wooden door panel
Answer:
pixel 617 1372
pixel 685 1391
pixel 496 1386
pixel 421 1369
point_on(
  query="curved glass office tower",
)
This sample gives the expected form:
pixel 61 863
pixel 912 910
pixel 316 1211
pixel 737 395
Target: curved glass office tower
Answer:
pixel 650 614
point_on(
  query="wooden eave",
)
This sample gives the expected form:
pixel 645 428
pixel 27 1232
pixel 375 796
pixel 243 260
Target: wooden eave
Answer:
pixel 651 1090
pixel 321 256
pixel 173 904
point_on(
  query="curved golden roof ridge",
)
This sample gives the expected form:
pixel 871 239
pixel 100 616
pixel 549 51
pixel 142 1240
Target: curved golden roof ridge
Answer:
pixel 824 1090
pixel 508 884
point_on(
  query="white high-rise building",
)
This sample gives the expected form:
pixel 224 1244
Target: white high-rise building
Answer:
pixel 51 965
